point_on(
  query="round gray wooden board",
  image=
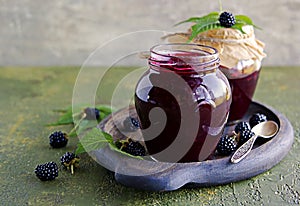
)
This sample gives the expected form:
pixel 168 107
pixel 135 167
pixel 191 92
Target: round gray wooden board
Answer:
pixel 162 176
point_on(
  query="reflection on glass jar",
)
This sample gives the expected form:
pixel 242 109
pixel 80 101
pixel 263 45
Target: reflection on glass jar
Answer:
pixel 182 102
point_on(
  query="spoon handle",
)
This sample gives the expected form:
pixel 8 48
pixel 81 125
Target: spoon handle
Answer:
pixel 243 150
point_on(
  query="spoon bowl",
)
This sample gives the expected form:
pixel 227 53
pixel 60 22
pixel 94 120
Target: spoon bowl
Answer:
pixel 264 129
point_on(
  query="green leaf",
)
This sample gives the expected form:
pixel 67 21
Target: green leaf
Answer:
pixel 85 125
pixel 196 29
pixel 239 26
pixel 106 109
pixel 93 140
pixel 66 118
pixel 80 149
pixel 96 139
pixel 192 19
pixel 243 19
pixel 211 17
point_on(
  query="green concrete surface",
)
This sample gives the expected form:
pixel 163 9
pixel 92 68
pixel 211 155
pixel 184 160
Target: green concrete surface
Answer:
pixel 29 97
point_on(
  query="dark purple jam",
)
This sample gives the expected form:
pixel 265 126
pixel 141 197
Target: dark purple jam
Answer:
pixel 191 103
pixel 242 92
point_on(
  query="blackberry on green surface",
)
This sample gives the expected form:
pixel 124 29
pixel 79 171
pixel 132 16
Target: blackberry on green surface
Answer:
pixel 134 148
pixel 227 19
pixel 47 171
pixel 257 118
pixel 70 161
pixel 92 113
pixel 244 136
pixel 242 126
pixel 58 139
pixel 227 145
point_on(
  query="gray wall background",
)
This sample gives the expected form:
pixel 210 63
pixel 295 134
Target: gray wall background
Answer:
pixel 65 32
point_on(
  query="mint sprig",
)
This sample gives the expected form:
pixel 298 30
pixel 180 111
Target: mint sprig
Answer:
pixel 211 21
pixel 92 137
pixel 68 117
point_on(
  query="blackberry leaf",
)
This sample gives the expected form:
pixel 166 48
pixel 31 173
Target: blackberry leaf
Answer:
pixel 211 17
pixel 93 140
pixel 198 28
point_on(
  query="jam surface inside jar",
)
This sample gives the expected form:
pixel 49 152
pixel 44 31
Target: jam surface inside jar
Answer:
pixel 182 102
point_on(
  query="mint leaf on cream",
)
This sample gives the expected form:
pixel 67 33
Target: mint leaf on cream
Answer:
pixel 211 21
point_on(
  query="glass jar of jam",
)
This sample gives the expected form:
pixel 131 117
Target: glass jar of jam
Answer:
pixel 240 55
pixel 182 102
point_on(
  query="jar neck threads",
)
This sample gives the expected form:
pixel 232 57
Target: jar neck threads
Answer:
pixel 184 58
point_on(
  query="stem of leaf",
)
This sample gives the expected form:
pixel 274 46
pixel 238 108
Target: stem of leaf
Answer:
pixel 77 125
pixel 72 169
pixel 77 114
pixel 220 6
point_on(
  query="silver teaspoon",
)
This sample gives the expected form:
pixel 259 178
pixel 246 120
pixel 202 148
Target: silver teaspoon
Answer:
pixel 264 129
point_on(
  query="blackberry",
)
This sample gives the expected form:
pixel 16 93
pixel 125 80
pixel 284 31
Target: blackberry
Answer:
pixel 227 19
pixel 92 113
pixel 70 161
pixel 244 136
pixel 134 148
pixel 257 118
pixel 135 122
pixel 118 144
pixel 242 126
pixel 131 124
pixel 47 171
pixel 227 145
pixel 58 139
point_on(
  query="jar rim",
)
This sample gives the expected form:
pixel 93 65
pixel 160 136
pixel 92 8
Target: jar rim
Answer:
pixel 198 54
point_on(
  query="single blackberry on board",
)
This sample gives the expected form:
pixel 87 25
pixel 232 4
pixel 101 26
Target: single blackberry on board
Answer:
pixel 47 171
pixel 58 139
pixel 135 122
pixel 92 113
pixel 131 124
pixel 242 126
pixel 227 145
pixel 256 119
pixel 227 19
pixel 70 161
pixel 244 136
pixel 133 147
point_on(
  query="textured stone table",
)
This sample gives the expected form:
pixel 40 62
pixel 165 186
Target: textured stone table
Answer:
pixel 29 97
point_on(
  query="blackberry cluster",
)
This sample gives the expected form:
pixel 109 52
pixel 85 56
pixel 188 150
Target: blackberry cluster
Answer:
pixel 257 118
pixel 92 113
pixel 47 171
pixel 227 145
pixel 227 19
pixel 244 136
pixel 242 126
pixel 243 129
pixel 70 161
pixel 242 133
pixel 131 124
pixel 58 139
pixel 133 147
